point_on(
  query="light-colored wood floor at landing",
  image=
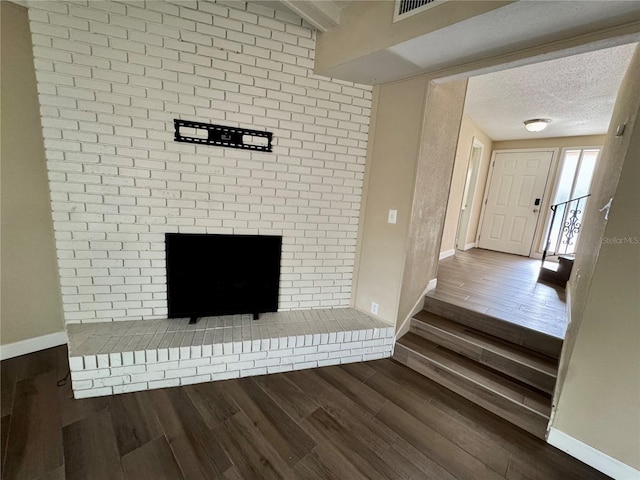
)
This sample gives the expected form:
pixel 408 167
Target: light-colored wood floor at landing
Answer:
pixel 503 286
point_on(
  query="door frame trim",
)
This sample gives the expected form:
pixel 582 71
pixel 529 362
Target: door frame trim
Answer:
pixel 553 167
pixel 475 144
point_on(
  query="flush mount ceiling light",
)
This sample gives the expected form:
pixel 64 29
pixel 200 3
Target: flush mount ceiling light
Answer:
pixel 536 124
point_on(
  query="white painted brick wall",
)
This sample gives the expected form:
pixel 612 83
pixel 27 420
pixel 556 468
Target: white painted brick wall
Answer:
pixel 112 76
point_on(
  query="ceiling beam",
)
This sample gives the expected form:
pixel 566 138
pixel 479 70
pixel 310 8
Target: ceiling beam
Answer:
pixel 322 15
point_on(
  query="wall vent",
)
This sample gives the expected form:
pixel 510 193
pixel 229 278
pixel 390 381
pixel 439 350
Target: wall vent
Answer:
pixel 406 8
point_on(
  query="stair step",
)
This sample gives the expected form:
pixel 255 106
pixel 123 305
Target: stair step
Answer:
pixel 518 362
pixel 518 334
pixel 515 402
pixel 553 266
pixel 557 277
pixel 557 273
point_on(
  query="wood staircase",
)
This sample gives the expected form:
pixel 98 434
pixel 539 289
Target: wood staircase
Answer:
pixel 505 368
pixel 557 273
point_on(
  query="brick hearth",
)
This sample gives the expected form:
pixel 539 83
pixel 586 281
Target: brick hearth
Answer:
pixel 119 357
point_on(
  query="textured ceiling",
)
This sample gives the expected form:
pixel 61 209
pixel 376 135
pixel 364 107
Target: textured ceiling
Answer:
pixel 577 93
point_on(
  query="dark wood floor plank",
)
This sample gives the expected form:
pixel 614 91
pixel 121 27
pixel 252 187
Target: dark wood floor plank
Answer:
pixel 298 403
pixel 290 441
pixel 28 366
pixel 72 410
pixel 519 470
pixel 324 462
pixel 34 444
pixel 358 392
pixel 446 453
pixel 519 443
pixel 524 447
pixel 326 428
pixel 4 436
pixel 251 453
pixel 212 401
pixel 190 460
pixel 360 370
pixel 468 439
pixel 57 474
pixel 418 421
pixel 351 416
pixel 134 422
pixel 8 379
pixel 232 474
pixel 408 379
pixel 90 449
pixel 154 460
pixel 411 463
pixel 196 449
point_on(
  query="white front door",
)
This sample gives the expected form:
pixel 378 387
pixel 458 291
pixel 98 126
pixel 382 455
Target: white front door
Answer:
pixel 514 200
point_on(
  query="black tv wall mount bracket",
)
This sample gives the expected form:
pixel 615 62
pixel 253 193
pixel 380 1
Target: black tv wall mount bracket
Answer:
pixel 230 137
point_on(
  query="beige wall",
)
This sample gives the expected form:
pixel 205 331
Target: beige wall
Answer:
pixel 367 26
pixel 599 384
pixel 443 114
pixel 394 143
pixel 468 131
pixel 410 160
pixel 30 291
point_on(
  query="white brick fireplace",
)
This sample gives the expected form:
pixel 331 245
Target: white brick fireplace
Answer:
pixel 112 76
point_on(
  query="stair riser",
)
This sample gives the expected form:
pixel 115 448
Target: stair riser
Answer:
pixel 508 366
pixel 506 408
pixel 557 278
pixel 536 341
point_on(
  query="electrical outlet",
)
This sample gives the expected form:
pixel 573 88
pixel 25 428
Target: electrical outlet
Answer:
pixel 393 216
pixel 374 308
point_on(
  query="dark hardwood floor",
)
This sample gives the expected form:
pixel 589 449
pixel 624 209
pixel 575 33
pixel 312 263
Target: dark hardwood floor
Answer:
pixel 504 286
pixel 375 420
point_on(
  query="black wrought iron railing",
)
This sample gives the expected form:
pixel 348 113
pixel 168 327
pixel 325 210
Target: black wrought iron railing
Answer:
pixel 566 222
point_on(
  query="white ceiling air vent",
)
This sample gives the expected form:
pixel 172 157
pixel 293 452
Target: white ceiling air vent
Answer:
pixel 406 8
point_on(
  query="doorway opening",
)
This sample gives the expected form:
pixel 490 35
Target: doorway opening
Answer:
pixel 501 194
pixel 463 239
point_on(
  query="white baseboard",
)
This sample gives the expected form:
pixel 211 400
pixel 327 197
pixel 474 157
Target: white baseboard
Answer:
pixel 469 246
pixel 31 345
pixel 433 283
pixel 591 456
pixel 447 253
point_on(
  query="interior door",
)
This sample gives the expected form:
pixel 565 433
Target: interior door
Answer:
pixel 514 199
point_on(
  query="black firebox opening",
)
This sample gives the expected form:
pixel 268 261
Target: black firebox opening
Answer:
pixel 210 274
